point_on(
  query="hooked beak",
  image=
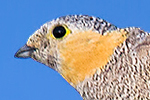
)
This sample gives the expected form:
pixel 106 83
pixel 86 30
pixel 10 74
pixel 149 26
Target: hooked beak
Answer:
pixel 24 52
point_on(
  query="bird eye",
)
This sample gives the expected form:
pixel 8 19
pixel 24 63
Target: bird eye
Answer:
pixel 60 31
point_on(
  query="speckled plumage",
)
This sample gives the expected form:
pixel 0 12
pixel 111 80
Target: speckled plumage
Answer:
pixel 126 76
pixel 98 59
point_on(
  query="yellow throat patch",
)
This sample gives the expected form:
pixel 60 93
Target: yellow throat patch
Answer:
pixel 84 52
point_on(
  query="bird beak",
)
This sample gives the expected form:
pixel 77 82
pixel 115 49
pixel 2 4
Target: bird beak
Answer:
pixel 24 52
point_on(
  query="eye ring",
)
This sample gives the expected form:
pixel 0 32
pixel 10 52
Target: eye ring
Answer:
pixel 60 31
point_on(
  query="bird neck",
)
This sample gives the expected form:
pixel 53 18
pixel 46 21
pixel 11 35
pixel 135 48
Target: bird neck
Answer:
pixel 84 52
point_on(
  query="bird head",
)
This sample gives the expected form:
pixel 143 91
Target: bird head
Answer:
pixel 75 46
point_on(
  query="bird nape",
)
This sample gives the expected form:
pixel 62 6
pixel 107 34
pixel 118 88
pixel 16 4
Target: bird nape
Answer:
pixel 100 60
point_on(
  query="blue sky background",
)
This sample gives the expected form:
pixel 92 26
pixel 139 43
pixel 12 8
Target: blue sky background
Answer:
pixel 25 79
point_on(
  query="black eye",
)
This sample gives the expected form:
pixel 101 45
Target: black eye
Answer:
pixel 59 32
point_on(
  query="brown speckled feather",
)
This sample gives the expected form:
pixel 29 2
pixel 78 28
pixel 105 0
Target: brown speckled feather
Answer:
pixel 126 76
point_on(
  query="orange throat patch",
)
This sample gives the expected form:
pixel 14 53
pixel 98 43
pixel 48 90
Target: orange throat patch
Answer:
pixel 82 53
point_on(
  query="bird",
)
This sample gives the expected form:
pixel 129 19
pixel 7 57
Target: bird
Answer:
pixel 100 60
